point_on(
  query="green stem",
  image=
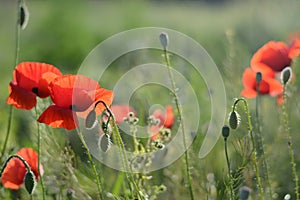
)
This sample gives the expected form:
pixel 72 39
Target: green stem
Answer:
pixel 289 138
pixel 179 109
pixel 250 129
pixel 260 142
pixel 39 155
pixel 117 137
pixel 229 170
pixel 98 180
pixel 17 50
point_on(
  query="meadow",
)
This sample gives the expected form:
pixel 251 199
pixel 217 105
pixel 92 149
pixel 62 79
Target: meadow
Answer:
pixel 256 153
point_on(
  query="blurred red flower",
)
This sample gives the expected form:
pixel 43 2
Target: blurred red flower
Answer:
pixel 14 172
pixel 73 95
pixel 120 112
pixel 166 120
pixel 294 50
pixel 271 58
pixel 30 79
pixel 268 85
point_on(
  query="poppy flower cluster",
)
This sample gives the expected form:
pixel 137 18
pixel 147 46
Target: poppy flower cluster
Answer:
pixel 270 59
pixel 72 95
pixel 14 172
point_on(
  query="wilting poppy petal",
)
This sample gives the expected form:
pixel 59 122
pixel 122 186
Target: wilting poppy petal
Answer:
pixel 13 175
pixel 20 97
pixel 272 54
pixel 28 74
pixel 58 117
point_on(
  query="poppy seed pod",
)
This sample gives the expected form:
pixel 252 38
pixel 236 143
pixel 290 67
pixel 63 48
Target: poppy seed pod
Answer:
pixel 234 120
pixel 286 75
pixel 225 132
pixel 104 142
pixel 258 77
pixel 24 16
pixel 164 40
pixel 29 181
pixel 91 120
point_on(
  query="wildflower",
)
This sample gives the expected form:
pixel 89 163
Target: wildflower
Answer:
pixel 121 112
pixel 30 79
pixel 270 58
pixel 14 173
pixel 268 85
pixel 73 95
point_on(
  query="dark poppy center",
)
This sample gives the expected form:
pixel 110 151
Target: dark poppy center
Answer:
pixel 35 90
pixel 74 108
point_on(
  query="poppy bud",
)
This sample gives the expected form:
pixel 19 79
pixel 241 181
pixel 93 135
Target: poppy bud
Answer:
pixel 234 120
pixel 24 16
pixel 29 181
pixel 244 193
pixel 258 77
pixel 225 132
pixel 91 120
pixel 104 142
pixel 164 40
pixel 286 75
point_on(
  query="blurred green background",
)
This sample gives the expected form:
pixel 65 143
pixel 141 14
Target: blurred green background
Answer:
pixel 62 33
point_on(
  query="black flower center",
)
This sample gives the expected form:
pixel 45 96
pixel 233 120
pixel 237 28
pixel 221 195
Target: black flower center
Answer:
pixel 35 90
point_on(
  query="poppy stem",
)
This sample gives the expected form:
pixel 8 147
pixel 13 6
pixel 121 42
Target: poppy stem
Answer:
pixel 18 157
pixel 39 154
pixel 98 180
pixel 229 170
pixel 117 137
pixel 259 139
pixel 179 109
pixel 250 130
pixel 17 50
pixel 289 141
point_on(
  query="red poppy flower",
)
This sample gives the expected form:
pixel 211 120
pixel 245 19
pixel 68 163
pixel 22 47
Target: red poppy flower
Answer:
pixel 30 79
pixel 268 85
pixel 166 120
pixel 120 112
pixel 273 56
pixel 14 172
pixel 294 50
pixel 71 95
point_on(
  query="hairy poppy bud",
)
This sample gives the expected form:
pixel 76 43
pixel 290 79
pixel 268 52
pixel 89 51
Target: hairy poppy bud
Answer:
pixel 104 142
pixel 225 132
pixel 234 120
pixel 24 16
pixel 286 75
pixel 30 182
pixel 91 120
pixel 164 40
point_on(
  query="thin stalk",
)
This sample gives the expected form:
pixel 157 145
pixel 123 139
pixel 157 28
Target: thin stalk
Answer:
pixel 250 129
pixel 98 180
pixel 39 154
pixel 260 142
pixel 117 137
pixel 229 170
pixel 289 138
pixel 17 51
pixel 179 109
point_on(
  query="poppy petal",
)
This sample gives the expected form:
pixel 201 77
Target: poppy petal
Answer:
pixel 248 93
pixel 275 87
pixel 120 112
pixel 20 97
pixel 44 82
pixel 28 74
pixel 294 50
pixel 169 121
pixel 58 117
pixel 13 174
